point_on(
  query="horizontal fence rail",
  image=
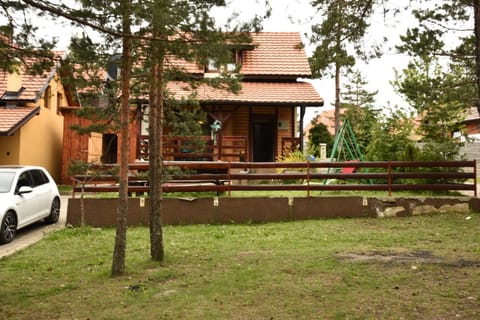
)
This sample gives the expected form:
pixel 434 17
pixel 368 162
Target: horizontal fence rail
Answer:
pixel 215 176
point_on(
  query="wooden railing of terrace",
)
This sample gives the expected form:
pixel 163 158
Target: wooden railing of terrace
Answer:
pixel 215 176
pixel 176 148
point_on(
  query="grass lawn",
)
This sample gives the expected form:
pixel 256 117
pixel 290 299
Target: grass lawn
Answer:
pixel 424 267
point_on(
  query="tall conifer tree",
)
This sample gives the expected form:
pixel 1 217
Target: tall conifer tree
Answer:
pixel 338 37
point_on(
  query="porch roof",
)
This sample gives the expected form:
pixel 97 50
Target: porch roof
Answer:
pixel 13 119
pixel 254 93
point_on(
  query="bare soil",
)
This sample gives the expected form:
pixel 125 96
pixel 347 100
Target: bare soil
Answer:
pixel 413 257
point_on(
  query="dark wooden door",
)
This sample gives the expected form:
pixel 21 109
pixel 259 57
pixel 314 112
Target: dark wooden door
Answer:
pixel 263 136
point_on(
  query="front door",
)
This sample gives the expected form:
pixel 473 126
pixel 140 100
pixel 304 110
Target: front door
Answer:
pixel 109 148
pixel 263 135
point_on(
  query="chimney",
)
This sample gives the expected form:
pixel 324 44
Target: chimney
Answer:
pixel 14 78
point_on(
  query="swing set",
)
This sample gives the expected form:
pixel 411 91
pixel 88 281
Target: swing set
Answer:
pixel 345 148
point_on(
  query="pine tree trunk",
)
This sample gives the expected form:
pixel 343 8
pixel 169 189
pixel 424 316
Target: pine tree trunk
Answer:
pixel 340 6
pixel 157 201
pixel 118 264
pixel 155 153
pixel 476 10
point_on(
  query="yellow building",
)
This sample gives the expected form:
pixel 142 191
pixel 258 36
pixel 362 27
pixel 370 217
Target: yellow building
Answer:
pixel 31 124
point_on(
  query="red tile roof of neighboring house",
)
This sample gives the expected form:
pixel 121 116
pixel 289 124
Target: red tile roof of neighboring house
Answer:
pixel 472 114
pixel 12 119
pixel 33 85
pixel 327 117
pixel 286 93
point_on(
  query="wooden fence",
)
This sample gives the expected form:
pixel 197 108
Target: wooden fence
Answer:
pixel 209 176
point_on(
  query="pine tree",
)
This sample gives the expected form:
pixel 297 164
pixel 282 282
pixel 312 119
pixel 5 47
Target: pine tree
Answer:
pixel 179 30
pixel 166 31
pixel 359 104
pixel 339 39
pixel 19 42
pixel 448 30
pixel 442 80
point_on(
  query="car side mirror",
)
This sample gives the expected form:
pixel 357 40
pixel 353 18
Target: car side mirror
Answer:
pixel 25 189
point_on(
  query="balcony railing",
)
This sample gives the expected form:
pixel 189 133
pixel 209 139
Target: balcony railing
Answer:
pixel 176 148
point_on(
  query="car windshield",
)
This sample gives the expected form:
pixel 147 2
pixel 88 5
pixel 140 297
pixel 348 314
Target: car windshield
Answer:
pixel 6 179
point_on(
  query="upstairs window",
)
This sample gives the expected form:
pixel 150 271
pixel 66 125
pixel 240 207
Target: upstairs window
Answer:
pixel 228 66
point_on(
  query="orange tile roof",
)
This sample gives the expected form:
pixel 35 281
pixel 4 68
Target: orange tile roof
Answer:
pixel 286 93
pixel 276 53
pixel 472 114
pixel 34 84
pixel 189 67
pixel 12 119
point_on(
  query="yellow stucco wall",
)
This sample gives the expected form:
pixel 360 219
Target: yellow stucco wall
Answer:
pixel 9 147
pixel 40 140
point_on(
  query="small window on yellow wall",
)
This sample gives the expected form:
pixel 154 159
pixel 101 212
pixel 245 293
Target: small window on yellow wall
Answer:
pixel 59 102
pixel 48 97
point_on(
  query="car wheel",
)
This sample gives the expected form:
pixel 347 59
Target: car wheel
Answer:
pixel 8 227
pixel 54 212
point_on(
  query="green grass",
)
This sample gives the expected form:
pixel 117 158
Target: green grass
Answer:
pixel 424 267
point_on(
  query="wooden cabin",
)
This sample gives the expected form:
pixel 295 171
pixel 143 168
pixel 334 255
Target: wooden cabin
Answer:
pixel 259 123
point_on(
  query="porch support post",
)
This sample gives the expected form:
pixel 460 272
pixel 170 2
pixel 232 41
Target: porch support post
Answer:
pixel 302 115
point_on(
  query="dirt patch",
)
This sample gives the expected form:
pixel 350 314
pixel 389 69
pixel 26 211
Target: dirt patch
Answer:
pixel 414 257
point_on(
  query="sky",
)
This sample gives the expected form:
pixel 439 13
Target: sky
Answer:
pixel 298 16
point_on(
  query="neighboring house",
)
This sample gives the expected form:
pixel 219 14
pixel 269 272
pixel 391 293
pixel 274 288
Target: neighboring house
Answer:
pixel 267 113
pixel 327 117
pixel 31 124
pixel 472 124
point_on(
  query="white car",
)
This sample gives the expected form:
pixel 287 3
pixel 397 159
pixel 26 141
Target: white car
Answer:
pixel 27 194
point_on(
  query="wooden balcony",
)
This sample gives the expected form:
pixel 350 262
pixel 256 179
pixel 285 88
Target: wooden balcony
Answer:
pixel 176 148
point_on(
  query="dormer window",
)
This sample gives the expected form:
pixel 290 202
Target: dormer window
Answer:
pixel 212 65
pixel 12 95
pixel 229 66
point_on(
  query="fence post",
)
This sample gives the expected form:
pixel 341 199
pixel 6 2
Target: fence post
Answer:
pixel 229 178
pixel 308 178
pixel 475 176
pixel 73 187
pixel 389 179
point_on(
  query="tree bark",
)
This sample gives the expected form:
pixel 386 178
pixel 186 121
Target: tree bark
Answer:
pixel 155 146
pixel 476 10
pixel 156 200
pixel 338 65
pixel 118 263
